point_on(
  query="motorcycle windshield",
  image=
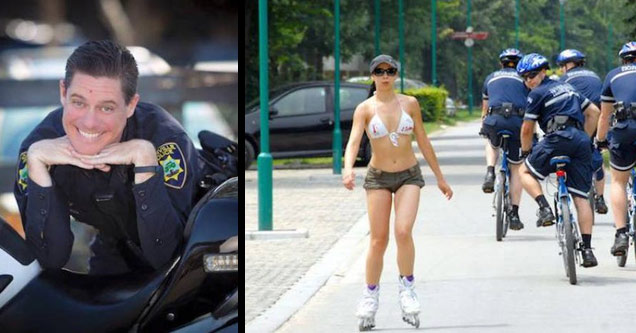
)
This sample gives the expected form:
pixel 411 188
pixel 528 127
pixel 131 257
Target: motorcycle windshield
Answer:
pixel 14 245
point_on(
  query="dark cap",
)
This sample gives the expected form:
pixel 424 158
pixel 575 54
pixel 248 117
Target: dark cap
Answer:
pixel 383 58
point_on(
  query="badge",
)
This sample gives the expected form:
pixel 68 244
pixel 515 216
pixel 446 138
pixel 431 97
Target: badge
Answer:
pixel 171 159
pixel 23 174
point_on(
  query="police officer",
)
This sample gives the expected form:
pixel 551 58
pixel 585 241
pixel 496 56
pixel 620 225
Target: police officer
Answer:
pixel 124 167
pixel 619 95
pixel 589 85
pixel 557 106
pixel 504 97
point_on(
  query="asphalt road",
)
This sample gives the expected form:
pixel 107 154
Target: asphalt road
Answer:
pixel 469 282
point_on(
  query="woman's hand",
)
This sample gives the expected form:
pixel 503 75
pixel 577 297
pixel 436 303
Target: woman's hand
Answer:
pixel 348 179
pixel 446 190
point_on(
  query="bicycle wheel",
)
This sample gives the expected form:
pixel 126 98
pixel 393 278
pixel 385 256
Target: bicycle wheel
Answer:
pixel 499 206
pixel 568 250
pixel 590 197
pixel 507 206
pixel 622 260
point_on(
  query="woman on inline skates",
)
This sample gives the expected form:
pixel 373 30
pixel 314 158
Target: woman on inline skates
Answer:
pixel 393 174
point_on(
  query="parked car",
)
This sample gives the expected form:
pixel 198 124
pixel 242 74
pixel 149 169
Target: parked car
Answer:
pixel 50 62
pixel 451 109
pixel 301 120
pixel 408 83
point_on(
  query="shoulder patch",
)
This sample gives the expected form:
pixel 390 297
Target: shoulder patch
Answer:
pixel 23 174
pixel 171 158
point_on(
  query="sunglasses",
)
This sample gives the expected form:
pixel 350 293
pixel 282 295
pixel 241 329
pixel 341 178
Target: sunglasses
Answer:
pixel 388 71
pixel 530 76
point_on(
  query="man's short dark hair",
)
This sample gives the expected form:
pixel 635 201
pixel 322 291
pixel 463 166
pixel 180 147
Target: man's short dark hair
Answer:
pixel 104 59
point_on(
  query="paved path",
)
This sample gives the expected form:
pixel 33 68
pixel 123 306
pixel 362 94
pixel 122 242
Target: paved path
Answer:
pixel 467 281
pixel 303 199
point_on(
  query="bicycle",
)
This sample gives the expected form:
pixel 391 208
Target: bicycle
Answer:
pixel 567 231
pixel 501 200
pixel 631 218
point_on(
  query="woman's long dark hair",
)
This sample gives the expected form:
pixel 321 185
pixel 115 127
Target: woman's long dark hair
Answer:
pixel 371 89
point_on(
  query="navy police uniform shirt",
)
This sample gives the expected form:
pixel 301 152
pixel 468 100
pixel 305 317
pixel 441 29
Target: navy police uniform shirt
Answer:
pixel 147 218
pixel 553 98
pixel 586 82
pixel 549 99
pixel 504 86
pixel 619 87
pixel 589 85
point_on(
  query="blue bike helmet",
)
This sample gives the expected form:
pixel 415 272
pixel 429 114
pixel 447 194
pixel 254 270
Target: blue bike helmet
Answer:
pixel 513 55
pixel 532 62
pixel 628 51
pixel 570 55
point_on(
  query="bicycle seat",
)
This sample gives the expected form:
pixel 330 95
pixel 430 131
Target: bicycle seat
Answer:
pixel 560 160
pixel 504 133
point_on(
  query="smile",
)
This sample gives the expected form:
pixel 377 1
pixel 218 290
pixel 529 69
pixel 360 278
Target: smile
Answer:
pixel 88 135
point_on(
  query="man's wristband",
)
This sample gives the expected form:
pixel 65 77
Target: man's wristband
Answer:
pixel 601 143
pixel 525 153
pixel 150 168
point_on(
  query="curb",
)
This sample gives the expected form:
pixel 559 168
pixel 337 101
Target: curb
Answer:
pixel 296 297
pixel 276 234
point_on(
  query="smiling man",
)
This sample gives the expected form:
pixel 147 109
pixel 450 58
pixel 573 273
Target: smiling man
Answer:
pixel 125 167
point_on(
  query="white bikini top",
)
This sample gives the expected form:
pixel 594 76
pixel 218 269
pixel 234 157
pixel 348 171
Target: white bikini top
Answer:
pixel 376 128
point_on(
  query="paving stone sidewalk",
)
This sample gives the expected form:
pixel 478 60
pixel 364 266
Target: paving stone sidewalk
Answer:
pixel 314 200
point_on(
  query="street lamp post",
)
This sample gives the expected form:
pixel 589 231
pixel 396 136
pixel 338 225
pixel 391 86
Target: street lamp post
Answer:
pixel 434 42
pixel 377 26
pixel 265 160
pixel 337 134
pixel 562 19
pixel 401 37
pixel 517 24
pixel 469 29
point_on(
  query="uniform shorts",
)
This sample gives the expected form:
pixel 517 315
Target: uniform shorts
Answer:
pixel 622 145
pixel 495 123
pixel 570 142
pixel 377 179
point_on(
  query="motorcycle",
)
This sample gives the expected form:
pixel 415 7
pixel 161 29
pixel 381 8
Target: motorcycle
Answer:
pixel 197 292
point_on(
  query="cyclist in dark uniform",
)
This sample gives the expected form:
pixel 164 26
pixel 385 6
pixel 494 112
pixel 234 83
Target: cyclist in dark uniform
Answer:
pixel 589 85
pixel 568 119
pixel 127 168
pixel 504 98
pixel 619 96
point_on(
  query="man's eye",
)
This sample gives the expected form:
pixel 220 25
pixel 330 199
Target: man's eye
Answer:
pixel 78 104
pixel 108 109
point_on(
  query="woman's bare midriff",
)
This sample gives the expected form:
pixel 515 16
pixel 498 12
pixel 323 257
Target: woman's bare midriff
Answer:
pixel 387 157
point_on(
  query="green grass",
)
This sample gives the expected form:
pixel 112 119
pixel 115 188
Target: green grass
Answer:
pixel 304 161
pixel 429 127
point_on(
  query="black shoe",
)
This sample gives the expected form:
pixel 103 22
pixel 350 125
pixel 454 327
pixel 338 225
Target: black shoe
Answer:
pixel 489 182
pixel 515 222
pixel 621 242
pixel 546 218
pixel 589 260
pixel 600 205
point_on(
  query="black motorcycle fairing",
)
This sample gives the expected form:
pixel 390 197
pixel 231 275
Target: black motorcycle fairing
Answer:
pixel 5 279
pixel 62 301
pixel 14 245
pixel 191 291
